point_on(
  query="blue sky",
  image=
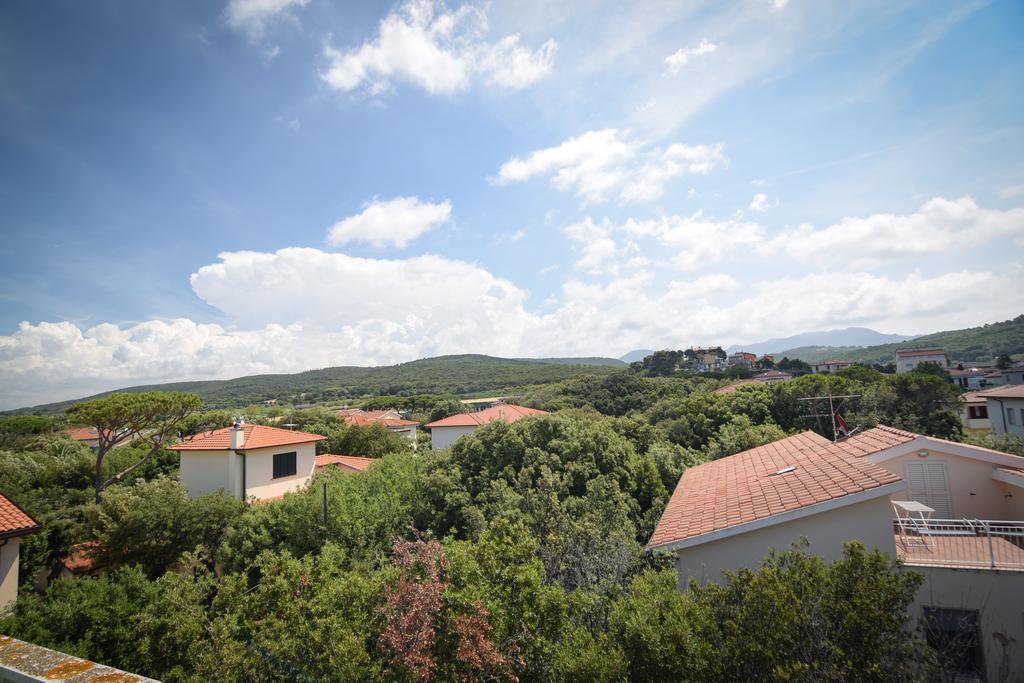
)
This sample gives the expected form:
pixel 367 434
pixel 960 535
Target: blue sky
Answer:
pixel 201 190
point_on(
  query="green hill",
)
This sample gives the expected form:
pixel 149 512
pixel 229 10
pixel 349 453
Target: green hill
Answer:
pixel 465 374
pixel 974 344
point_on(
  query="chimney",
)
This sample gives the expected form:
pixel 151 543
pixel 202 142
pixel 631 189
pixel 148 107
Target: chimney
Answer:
pixel 237 434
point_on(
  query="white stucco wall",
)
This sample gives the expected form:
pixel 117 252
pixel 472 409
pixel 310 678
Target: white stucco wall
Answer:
pixel 974 494
pixel 869 521
pixel 443 437
pixel 259 470
pixel 997 595
pixel 203 472
pixel 997 408
pixel 9 573
pixel 209 471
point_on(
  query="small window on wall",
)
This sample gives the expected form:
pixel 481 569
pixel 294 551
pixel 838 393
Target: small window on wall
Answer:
pixel 1009 416
pixel 284 465
pixel 955 636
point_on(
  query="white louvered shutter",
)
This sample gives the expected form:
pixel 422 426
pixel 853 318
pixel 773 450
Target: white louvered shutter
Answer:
pixel 927 483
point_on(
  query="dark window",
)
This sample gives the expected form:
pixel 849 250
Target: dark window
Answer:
pixel 978 412
pixel 284 465
pixel 956 638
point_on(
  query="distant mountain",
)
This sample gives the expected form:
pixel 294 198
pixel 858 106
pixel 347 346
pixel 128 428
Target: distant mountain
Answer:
pixel 638 354
pixel 983 344
pixel 849 337
pixel 465 374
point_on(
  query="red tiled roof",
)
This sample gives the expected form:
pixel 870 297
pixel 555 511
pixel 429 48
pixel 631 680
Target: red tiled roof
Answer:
pixel 351 461
pixel 83 433
pixel 256 436
pixel 751 485
pixel 81 561
pixel 874 440
pixel 1007 391
pixel 366 417
pixel 925 351
pixel 14 521
pixel 506 412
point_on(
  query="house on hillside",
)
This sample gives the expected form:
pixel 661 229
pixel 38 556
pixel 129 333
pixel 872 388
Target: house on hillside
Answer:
pixel 14 523
pixel 971 379
pixel 443 433
pixel 391 419
pixel 772 376
pixel 907 360
pixel 973 411
pixel 343 463
pixel 938 506
pixel 87 435
pixel 1006 408
pixel 832 365
pixel 247 461
pixel 742 359
pixel 710 359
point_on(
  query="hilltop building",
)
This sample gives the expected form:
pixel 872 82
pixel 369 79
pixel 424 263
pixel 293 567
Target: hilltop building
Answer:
pixel 391 419
pixel 831 365
pixel 907 360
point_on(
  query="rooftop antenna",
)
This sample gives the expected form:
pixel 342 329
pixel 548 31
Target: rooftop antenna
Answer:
pixel 839 428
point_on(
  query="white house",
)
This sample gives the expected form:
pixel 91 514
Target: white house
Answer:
pixel 908 359
pixel 443 433
pixel 938 506
pixel 974 413
pixel 14 523
pixel 391 419
pixel 832 365
pixel 1006 408
pixel 247 461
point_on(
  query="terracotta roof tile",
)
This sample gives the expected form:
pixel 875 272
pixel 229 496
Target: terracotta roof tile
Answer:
pixel 357 416
pixel 1007 391
pixel 751 485
pixel 351 461
pixel 83 433
pixel 256 436
pixel 14 521
pixel 506 412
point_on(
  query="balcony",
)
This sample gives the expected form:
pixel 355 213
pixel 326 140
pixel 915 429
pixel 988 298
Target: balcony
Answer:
pixel 960 543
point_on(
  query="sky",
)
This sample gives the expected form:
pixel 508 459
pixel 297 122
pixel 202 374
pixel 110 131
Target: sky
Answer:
pixel 203 190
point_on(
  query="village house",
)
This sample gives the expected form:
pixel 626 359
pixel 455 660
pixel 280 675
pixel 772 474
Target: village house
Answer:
pixel 443 433
pixel 343 463
pixel 14 523
pixel 970 378
pixel 772 376
pixel 743 359
pixel 87 435
pixel 1006 408
pixel 831 365
pixel 391 419
pixel 710 359
pixel 247 461
pixel 907 360
pixel 936 505
pixel 973 411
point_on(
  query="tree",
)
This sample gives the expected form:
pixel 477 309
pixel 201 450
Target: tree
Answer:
pixel 153 416
pixel 932 368
pixel 1004 361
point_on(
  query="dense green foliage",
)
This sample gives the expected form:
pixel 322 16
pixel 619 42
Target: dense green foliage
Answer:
pixel 515 554
pixel 464 374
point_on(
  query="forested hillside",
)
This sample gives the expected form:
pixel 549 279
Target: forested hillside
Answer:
pixel 975 344
pixel 465 374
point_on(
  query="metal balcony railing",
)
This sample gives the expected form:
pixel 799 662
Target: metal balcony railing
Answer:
pixel 969 543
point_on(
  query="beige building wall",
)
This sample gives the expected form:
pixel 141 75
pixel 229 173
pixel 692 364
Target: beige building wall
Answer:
pixel 259 470
pixel 973 491
pixel 443 437
pixel 9 573
pixel 869 521
pixel 999 598
pixel 202 472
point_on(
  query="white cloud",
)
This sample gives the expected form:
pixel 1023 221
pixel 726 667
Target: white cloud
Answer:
pixel 940 225
pixel 598 246
pixel 761 204
pixel 397 221
pixel 441 51
pixel 510 237
pixel 252 16
pixel 601 161
pixel 304 308
pixel 681 57
pixel 696 240
pixel 1011 191
pixel 779 4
